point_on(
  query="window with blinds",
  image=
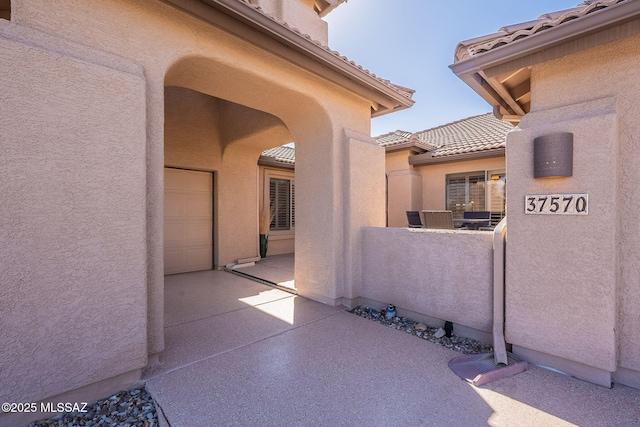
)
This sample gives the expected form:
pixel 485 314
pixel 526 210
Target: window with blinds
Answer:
pixel 477 191
pixel 466 192
pixel 282 199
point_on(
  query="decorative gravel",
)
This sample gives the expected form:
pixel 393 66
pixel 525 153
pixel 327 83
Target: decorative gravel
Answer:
pixel 129 408
pixel 463 345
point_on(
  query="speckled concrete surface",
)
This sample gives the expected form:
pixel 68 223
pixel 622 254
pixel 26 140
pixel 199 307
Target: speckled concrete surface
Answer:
pixel 204 294
pixel 290 361
pixel 277 269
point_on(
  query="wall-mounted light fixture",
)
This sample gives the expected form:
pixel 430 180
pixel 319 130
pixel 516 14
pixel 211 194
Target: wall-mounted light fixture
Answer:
pixel 553 155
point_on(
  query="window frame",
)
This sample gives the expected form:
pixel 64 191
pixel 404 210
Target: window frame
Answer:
pixel 468 197
pixel 488 195
pixel 270 174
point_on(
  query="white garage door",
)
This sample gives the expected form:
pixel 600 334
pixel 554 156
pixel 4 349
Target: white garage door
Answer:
pixel 188 219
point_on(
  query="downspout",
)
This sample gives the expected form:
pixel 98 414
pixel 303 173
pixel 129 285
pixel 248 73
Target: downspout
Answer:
pixel 499 241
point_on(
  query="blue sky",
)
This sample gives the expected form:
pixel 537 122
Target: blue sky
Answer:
pixel 411 43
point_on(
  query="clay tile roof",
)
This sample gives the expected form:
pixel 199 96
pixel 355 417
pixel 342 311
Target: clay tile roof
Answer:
pixel 282 154
pixel 477 133
pixel 406 92
pixel 401 139
pixel 393 138
pixel 512 33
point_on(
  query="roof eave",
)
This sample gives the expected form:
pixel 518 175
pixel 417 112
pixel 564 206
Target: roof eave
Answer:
pixel 426 158
pixel 394 100
pixel 470 70
pixel 272 162
pixel 412 146
pixel 326 6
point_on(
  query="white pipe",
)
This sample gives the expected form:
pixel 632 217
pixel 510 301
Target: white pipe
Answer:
pixel 499 346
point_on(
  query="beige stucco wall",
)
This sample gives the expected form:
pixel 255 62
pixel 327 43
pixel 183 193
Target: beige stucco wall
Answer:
pixel 169 48
pixel 73 222
pixel 404 188
pixel 561 269
pixel 297 14
pixel 442 274
pixel 573 283
pixel 192 130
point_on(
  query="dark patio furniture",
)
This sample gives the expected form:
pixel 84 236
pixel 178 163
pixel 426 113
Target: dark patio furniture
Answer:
pixel 478 215
pixel 413 217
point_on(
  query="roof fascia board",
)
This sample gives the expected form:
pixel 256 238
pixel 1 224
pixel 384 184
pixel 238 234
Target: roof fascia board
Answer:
pixel 415 148
pixel 426 159
pixel 593 22
pixel 325 61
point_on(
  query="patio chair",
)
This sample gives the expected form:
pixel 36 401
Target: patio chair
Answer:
pixel 413 217
pixel 478 215
pixel 442 220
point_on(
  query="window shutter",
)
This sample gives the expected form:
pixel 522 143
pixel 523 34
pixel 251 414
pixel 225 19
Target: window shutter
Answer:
pixel 281 199
pixel 477 192
pixel 272 202
pixel 293 204
pixel 466 192
pixel 456 195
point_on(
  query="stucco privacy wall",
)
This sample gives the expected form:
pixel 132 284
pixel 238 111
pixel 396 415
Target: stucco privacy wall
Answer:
pixel 442 274
pixel 72 228
pixel 572 81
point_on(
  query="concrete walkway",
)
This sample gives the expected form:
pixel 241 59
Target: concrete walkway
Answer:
pixel 275 269
pixel 244 354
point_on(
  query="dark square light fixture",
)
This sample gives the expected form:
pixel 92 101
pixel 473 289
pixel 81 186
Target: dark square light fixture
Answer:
pixel 553 155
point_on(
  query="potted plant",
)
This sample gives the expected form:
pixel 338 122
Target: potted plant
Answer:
pixel 266 216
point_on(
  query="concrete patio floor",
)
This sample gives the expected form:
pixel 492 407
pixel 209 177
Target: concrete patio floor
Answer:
pixel 274 269
pixel 245 354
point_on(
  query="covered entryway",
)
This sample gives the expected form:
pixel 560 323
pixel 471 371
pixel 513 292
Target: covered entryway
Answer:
pixel 226 99
pixel 188 220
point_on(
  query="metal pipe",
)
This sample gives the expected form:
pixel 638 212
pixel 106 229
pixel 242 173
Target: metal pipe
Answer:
pixel 499 242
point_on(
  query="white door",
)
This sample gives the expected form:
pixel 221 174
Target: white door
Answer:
pixel 188 221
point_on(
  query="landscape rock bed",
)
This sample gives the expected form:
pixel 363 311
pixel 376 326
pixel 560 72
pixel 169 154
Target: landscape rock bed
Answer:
pixel 129 408
pixel 463 345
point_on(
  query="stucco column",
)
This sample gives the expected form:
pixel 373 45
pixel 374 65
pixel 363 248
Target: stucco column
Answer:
pixel 364 200
pixel 339 189
pixel 404 194
pixel 237 206
pixel 73 226
pixel 561 270
pixel 155 211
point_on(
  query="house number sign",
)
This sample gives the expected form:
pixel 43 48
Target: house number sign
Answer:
pixel 556 204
